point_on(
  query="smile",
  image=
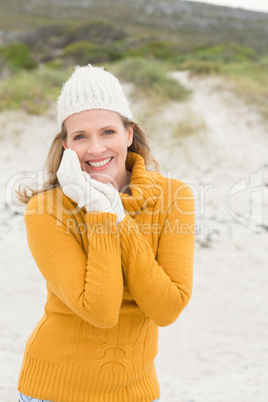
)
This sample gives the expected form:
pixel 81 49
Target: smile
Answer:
pixel 100 164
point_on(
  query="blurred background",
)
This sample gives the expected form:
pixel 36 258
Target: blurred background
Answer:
pixel 196 75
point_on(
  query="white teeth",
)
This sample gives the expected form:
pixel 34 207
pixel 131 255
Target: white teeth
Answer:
pixel 99 164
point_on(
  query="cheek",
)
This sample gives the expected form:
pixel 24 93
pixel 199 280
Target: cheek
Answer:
pixel 76 146
pixel 123 143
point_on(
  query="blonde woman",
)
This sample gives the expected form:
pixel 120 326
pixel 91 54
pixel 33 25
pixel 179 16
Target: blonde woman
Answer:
pixel 115 244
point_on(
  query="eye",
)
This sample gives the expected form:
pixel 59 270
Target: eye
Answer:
pixel 78 137
pixel 108 132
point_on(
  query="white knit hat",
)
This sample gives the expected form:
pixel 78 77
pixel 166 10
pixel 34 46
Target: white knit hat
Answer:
pixel 91 88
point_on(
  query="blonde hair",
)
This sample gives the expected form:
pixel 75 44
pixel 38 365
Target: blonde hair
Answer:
pixel 139 146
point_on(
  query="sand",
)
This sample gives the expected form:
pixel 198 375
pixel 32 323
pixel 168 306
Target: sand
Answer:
pixel 217 350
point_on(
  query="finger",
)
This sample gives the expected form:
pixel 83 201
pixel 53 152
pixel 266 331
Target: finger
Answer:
pixel 111 185
pixel 61 170
pixel 87 177
pixel 104 188
pixel 108 191
pixel 65 166
pixel 75 162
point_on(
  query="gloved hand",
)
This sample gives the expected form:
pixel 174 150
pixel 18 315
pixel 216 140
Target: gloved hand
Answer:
pixel 76 186
pixel 113 195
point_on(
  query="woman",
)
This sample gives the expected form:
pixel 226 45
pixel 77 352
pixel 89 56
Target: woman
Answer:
pixel 115 244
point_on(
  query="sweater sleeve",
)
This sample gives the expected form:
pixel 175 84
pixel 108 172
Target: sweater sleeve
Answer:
pixel 90 284
pixel 161 286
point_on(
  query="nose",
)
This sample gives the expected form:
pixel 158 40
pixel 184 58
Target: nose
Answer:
pixel 96 146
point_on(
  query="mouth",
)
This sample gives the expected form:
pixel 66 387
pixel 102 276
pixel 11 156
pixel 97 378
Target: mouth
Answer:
pixel 100 164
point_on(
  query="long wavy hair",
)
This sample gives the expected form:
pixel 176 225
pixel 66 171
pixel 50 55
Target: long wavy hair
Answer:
pixel 139 145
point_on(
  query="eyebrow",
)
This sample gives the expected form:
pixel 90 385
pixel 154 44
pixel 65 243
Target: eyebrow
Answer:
pixel 110 126
pixel 102 128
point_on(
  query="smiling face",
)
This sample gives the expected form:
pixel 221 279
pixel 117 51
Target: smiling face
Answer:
pixel 100 140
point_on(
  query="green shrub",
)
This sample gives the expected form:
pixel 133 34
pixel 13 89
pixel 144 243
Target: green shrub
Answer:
pixel 201 67
pixel 249 81
pixel 113 51
pixel 86 52
pixel 82 52
pixel 263 63
pixel 99 32
pixel 226 53
pixel 221 54
pixel 31 91
pixel 151 77
pixel 17 56
pixel 43 35
pixel 54 64
pixel 252 71
pixel 157 49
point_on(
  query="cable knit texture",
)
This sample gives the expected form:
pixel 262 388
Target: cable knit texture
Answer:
pixel 91 88
pixel 109 288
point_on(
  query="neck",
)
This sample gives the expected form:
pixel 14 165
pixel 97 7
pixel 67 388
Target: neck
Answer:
pixel 124 184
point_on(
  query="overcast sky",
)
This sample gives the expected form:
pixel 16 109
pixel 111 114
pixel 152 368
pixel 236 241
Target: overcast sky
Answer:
pixel 257 5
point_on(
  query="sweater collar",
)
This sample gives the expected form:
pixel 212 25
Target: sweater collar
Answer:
pixel 145 186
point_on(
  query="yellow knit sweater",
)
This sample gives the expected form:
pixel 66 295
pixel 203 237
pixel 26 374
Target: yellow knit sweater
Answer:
pixel 109 288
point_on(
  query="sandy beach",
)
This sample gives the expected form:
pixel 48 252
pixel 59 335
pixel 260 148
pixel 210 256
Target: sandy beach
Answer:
pixel 217 350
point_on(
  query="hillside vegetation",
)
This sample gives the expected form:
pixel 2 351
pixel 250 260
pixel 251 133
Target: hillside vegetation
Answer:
pixel 140 41
pixel 187 23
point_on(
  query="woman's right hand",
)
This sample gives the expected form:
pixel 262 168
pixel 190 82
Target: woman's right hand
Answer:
pixel 77 187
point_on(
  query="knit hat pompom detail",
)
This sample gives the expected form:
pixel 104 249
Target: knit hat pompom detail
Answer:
pixel 91 88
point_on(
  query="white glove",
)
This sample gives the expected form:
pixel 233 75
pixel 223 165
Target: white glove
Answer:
pixel 113 195
pixel 75 185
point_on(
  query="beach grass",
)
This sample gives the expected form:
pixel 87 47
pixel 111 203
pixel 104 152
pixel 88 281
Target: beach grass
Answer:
pixel 150 79
pixel 32 91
